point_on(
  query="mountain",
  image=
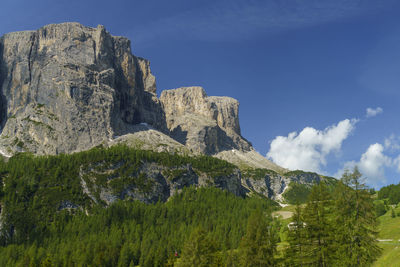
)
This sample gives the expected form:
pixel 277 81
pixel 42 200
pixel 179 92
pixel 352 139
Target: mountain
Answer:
pixel 67 88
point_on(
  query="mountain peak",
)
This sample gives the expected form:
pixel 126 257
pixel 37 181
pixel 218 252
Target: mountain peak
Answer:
pixel 67 87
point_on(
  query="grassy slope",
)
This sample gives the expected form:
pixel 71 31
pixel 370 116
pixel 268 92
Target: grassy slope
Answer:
pixel 389 229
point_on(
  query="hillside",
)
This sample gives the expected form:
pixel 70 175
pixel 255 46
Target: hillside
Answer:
pixel 389 231
pixel 101 176
pixel 132 233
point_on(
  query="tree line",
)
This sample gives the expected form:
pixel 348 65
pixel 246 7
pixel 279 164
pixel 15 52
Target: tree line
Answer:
pixel 391 193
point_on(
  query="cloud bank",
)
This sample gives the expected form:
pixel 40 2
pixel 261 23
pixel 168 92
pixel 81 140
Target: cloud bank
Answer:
pixel 371 112
pixel 308 150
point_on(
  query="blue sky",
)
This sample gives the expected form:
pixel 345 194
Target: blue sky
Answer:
pixel 305 72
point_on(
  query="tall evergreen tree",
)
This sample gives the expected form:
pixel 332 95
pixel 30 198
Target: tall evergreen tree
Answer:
pixel 318 248
pixel 198 250
pixel 258 246
pixel 355 222
pixel 295 253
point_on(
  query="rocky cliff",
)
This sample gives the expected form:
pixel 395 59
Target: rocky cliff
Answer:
pixel 151 182
pixel 204 124
pixel 66 87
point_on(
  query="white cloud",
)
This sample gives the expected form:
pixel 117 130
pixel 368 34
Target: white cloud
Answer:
pixel 371 112
pixel 392 143
pixel 372 164
pixel 308 149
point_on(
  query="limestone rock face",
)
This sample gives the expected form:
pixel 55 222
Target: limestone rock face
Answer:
pixel 204 124
pixel 66 87
pixel 273 185
pixel 159 182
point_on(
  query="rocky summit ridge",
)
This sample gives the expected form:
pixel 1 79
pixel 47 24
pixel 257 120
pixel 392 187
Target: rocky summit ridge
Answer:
pixel 66 88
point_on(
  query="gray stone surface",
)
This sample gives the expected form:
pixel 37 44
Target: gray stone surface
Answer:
pixel 204 124
pixel 274 185
pixel 159 184
pixel 66 88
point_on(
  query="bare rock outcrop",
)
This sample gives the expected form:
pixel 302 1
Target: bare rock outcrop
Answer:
pixel 204 124
pixel 67 87
pixel 273 185
pixel 152 183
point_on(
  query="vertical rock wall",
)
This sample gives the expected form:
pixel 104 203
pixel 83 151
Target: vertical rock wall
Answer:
pixel 66 87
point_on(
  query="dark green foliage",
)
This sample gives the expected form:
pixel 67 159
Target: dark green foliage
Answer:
pixel 372 191
pixel 258 246
pixel 330 182
pixel 355 222
pixel 390 192
pixel 137 233
pixel 35 188
pixel 318 227
pixel 47 220
pixel 335 228
pixel 299 172
pixel 258 174
pixel 295 254
pixel 380 208
pixel 199 250
pixel 297 193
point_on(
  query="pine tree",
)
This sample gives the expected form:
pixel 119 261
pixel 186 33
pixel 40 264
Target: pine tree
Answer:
pixel 232 259
pixel 258 246
pixel 355 222
pixel 198 250
pixel 295 253
pixel 318 247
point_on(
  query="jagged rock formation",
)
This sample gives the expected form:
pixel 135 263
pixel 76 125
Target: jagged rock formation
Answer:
pixel 66 87
pixel 210 125
pixel 273 185
pixel 158 182
pixel 204 124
